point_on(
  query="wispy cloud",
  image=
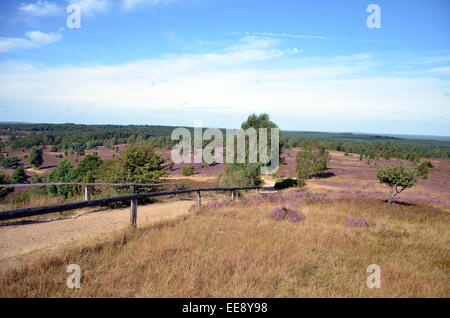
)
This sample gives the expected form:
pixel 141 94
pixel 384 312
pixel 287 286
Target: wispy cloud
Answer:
pixel 93 7
pixel 132 4
pixel 34 39
pixel 434 59
pixel 306 36
pixel 231 80
pixel 171 36
pixel 39 9
pixel 440 70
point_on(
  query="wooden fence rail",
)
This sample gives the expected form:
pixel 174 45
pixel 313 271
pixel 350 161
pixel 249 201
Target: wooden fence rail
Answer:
pixel 88 186
pixel 25 185
pixel 26 212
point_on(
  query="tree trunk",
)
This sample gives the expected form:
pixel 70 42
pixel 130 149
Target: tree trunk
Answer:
pixel 392 196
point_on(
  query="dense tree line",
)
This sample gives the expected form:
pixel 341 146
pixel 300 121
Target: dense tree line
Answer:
pixel 79 138
pixel 382 149
pixel 82 137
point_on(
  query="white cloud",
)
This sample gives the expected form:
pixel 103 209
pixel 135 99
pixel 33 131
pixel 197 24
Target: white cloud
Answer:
pixel 434 59
pixel 40 8
pixel 41 38
pixel 440 70
pixel 10 44
pixel 93 7
pixel 230 81
pixel 132 4
pixel 34 39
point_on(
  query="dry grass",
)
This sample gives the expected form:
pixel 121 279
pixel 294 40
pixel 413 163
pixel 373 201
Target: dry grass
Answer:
pixel 237 251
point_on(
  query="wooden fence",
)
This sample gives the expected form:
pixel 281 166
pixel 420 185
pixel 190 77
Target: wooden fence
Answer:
pixel 133 198
pixel 88 186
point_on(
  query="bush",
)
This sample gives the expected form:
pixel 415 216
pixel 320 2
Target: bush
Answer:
pixel 187 171
pixel 427 164
pixel 63 172
pixel 285 183
pixel 311 160
pixel 88 168
pixel 11 162
pixel 35 157
pixel 241 175
pixel 19 175
pixel 138 164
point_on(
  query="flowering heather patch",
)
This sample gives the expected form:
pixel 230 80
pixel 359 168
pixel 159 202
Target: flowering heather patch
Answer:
pixel 358 221
pixel 279 213
pixel 295 217
pixel 291 197
pixel 282 212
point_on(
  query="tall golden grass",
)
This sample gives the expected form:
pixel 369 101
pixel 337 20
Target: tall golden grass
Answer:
pixel 238 251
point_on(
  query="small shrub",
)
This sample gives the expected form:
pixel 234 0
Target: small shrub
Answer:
pixel 285 183
pixel 187 171
pixel 282 212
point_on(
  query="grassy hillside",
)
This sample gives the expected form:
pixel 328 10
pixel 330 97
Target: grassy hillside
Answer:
pixel 236 250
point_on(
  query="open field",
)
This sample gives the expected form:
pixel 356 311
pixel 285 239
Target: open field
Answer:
pixel 236 250
pixel 25 236
pixel 349 177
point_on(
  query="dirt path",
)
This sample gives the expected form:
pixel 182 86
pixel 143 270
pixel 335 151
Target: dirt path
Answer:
pixel 23 238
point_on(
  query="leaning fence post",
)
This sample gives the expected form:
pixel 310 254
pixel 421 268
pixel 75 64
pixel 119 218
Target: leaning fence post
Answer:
pixel 199 199
pixel 133 211
pixel 87 193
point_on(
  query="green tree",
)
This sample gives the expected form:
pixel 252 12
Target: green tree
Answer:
pixel 63 172
pixel 138 164
pixel 36 156
pixel 19 175
pixel 261 121
pixel 398 178
pixel 87 169
pixel 248 174
pixel 312 159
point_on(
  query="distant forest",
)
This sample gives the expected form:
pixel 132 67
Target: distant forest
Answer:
pixel 79 138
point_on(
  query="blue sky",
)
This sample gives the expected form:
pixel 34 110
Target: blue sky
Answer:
pixel 312 65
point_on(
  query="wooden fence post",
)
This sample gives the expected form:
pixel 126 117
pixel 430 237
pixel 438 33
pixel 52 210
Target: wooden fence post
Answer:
pixel 199 199
pixel 87 193
pixel 133 210
pixel 133 214
pixel 232 195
